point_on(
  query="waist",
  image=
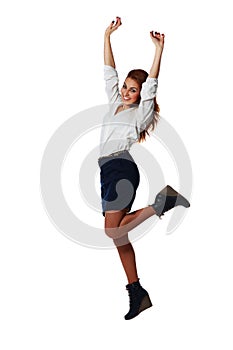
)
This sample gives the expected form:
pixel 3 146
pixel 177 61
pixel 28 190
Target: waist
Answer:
pixel 114 154
pixel 124 154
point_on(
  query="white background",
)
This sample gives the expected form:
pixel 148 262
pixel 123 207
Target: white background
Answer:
pixel 56 294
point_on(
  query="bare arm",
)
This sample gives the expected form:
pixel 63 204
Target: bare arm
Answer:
pixel 158 40
pixel 147 112
pixel 108 54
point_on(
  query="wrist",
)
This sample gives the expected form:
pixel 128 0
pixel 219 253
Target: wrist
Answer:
pixel 159 48
pixel 107 36
pixel 158 51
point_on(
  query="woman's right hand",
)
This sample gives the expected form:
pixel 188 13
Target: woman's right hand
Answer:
pixel 113 26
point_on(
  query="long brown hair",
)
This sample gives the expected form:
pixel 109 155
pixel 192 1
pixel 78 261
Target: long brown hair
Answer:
pixel 140 76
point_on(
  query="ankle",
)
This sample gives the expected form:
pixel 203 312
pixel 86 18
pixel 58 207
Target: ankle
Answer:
pixel 154 211
pixel 133 280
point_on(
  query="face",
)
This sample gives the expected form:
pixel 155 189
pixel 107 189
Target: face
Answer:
pixel 130 91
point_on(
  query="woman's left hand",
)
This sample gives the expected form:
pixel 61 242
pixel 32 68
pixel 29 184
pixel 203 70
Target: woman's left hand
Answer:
pixel 158 39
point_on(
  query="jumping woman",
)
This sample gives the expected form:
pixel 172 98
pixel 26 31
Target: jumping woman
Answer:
pixel 136 110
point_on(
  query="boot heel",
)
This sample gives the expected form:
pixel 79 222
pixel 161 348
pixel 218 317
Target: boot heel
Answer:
pixel 183 201
pixel 145 304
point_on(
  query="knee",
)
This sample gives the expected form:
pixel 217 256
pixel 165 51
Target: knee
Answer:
pixel 122 243
pixel 112 232
pixel 112 223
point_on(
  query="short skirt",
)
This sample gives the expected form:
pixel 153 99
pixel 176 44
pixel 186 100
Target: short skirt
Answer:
pixel 119 180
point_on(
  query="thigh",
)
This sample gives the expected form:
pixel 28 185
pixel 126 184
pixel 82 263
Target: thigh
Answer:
pixel 114 217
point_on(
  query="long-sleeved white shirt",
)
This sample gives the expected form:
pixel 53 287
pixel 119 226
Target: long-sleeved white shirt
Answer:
pixel 120 131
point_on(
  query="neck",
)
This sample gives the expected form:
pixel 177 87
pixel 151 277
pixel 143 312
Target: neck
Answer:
pixel 125 106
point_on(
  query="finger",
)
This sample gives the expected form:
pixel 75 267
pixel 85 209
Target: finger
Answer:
pixel 111 24
pixel 118 21
pixel 115 24
pixel 155 34
pixel 152 34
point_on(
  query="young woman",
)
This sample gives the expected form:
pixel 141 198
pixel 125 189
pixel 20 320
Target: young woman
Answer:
pixel 136 110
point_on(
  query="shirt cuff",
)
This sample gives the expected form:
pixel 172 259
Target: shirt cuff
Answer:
pixel 152 81
pixel 110 72
pixel 109 68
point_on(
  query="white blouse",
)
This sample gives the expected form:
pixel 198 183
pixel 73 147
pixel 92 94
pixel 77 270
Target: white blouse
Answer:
pixel 119 132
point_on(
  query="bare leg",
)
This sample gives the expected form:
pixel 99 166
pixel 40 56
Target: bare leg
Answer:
pixel 118 223
pixel 127 256
pixel 135 218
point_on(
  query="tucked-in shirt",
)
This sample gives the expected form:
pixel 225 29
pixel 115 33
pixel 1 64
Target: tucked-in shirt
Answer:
pixel 120 131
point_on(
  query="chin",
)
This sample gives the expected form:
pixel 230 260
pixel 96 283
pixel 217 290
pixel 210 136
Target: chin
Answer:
pixel 129 102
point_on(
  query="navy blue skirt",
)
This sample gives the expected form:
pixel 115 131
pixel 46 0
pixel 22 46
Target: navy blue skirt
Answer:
pixel 119 180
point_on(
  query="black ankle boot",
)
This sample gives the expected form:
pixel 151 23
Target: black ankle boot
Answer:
pixel 167 199
pixel 139 300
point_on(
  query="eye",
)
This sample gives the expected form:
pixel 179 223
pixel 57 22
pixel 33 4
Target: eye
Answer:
pixel 133 90
pixel 124 86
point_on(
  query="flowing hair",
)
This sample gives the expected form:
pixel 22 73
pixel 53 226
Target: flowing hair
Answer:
pixel 140 76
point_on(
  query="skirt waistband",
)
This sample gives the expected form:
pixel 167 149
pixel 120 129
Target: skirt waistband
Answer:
pixel 114 154
pixel 124 154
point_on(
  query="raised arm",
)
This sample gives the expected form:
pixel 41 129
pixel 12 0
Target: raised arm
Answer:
pixel 158 40
pixel 108 54
pixel 146 111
